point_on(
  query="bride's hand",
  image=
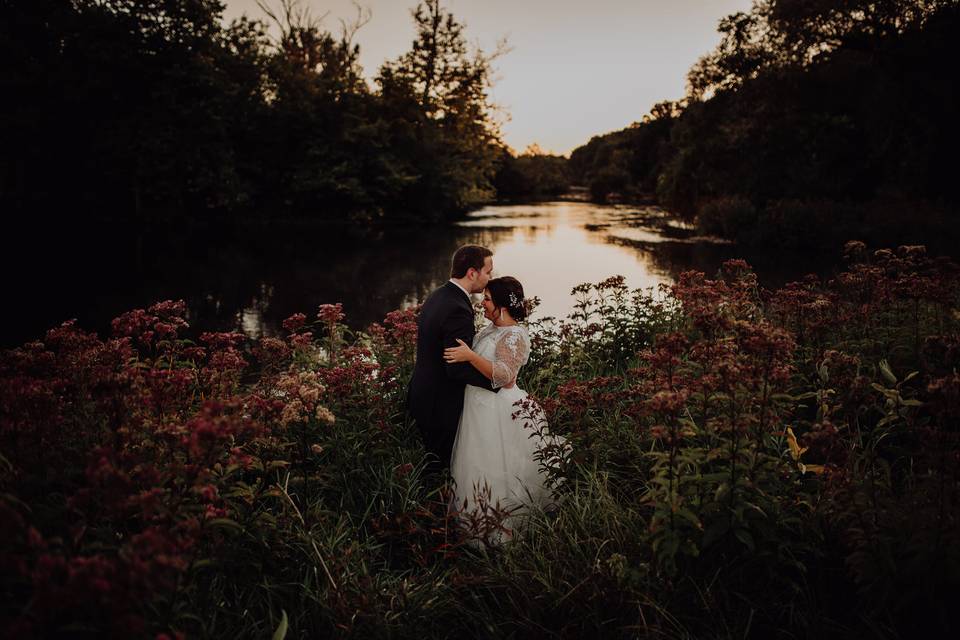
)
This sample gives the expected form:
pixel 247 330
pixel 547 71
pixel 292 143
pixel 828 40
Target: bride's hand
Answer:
pixel 458 354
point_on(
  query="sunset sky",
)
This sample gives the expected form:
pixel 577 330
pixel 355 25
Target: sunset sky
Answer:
pixel 575 69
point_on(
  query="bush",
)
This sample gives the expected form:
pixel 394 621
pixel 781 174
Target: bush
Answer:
pixel 744 463
pixel 731 217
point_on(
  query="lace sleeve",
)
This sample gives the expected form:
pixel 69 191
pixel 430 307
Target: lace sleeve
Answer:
pixel 511 353
pixel 483 333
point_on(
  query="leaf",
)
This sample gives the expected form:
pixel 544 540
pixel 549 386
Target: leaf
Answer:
pixel 281 631
pixel 887 372
pixel 225 523
pixel 795 449
pixel 267 518
pixel 744 536
pixel 716 454
pixel 720 476
pixel 721 492
pixel 689 516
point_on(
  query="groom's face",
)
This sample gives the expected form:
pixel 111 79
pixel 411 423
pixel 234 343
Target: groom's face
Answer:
pixel 483 276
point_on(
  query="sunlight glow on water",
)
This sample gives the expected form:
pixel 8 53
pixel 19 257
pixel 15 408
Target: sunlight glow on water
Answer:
pixel 554 247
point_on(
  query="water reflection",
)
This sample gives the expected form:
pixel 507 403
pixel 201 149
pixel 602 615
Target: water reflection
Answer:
pixel 554 247
pixel 250 280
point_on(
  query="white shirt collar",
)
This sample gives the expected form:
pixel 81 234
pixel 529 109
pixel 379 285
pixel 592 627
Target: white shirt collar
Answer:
pixel 457 284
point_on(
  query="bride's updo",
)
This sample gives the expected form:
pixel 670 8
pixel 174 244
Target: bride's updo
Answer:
pixel 507 292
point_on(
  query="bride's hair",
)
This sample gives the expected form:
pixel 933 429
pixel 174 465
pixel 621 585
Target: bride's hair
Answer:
pixel 508 292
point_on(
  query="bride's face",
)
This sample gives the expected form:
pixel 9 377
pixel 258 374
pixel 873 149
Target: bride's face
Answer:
pixel 489 309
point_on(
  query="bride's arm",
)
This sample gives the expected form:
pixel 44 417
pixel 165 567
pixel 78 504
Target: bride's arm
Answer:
pixel 464 353
pixel 502 372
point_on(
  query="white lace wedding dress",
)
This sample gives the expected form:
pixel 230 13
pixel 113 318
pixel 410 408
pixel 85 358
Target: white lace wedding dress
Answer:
pixel 494 452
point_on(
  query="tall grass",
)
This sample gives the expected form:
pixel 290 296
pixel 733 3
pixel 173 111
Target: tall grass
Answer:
pixel 744 463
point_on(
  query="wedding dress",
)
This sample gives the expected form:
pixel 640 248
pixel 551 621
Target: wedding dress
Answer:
pixel 495 462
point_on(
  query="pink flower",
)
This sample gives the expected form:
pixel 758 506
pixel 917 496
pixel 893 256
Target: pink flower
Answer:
pixel 295 322
pixel 331 313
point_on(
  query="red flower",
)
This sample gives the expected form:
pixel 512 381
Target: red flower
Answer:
pixel 295 322
pixel 331 313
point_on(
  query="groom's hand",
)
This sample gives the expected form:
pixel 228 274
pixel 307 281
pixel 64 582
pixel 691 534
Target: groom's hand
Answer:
pixel 461 353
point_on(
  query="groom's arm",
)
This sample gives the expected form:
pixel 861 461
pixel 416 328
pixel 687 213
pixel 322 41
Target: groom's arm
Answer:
pixel 459 325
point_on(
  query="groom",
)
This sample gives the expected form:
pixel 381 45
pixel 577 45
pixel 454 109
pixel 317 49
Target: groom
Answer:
pixel 435 394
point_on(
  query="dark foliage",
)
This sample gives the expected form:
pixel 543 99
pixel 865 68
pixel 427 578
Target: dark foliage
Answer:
pixel 627 162
pixel 812 122
pixel 155 110
pixel 531 175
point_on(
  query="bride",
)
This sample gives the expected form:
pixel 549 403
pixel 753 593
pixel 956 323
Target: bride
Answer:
pixel 494 462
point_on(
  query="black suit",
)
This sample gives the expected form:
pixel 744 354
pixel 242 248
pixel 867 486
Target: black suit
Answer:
pixel 435 394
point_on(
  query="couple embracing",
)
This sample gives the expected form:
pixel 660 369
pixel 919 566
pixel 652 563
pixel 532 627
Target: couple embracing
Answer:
pixel 463 389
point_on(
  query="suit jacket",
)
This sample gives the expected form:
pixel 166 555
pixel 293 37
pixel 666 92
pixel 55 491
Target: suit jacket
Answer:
pixel 435 394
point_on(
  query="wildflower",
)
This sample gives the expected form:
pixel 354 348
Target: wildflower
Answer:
pixel 331 313
pixel 912 251
pixel 212 512
pixel 292 412
pixel 295 322
pixel 170 310
pixel 301 341
pixel 272 351
pixel 613 282
pixel 855 251
pixel 738 272
pixel 659 431
pixel 325 415
pixel 223 340
pixel 309 394
pixel 215 425
pixel 238 457
pixel 668 402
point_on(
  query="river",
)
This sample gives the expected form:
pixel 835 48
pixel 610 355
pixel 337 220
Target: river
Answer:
pixel 251 280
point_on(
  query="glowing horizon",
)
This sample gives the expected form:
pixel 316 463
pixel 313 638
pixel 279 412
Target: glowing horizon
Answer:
pixel 573 71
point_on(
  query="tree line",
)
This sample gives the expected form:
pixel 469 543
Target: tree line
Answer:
pixel 811 121
pixel 156 109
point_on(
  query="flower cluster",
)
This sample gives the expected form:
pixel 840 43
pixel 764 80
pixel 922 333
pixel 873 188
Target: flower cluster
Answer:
pixel 301 393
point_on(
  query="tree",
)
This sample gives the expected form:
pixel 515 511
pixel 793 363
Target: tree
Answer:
pixel 533 174
pixel 784 34
pixel 438 91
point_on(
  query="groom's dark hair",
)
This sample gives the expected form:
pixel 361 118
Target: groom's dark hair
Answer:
pixel 467 256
